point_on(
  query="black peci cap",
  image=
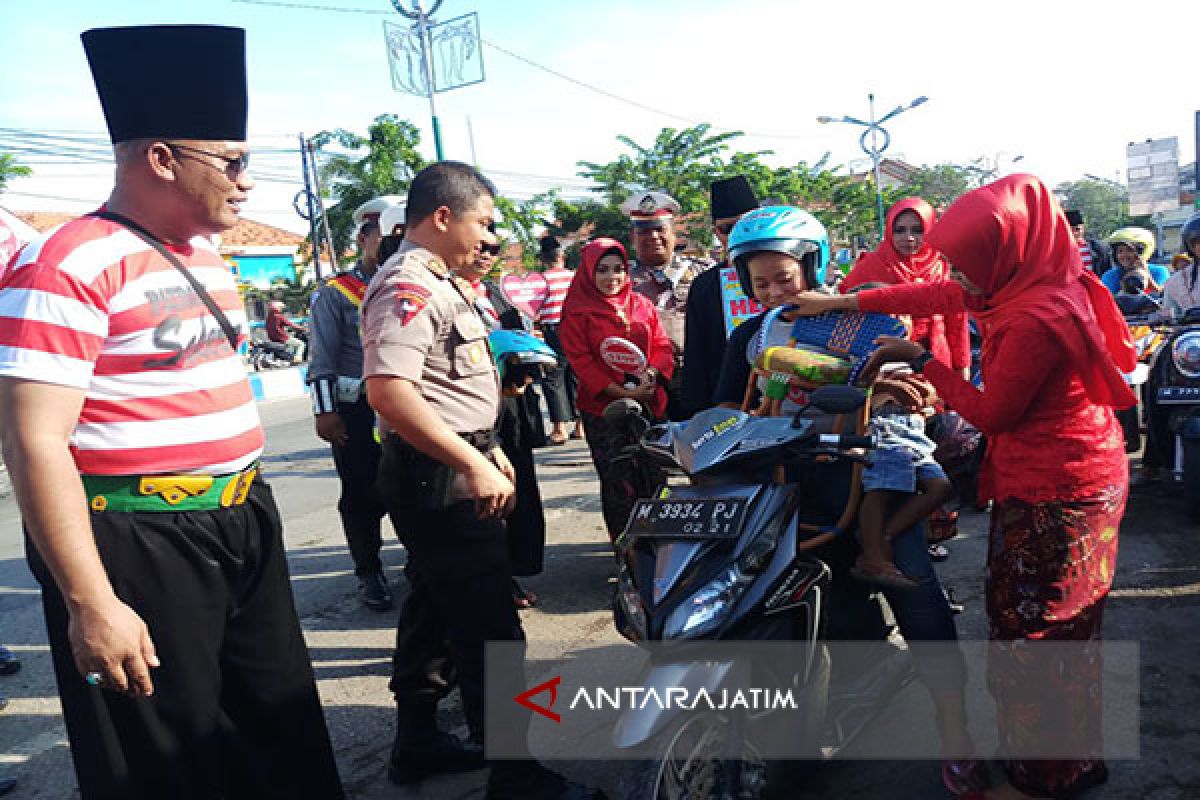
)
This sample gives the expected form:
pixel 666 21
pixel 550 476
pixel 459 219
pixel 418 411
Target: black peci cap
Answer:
pixel 732 197
pixel 1074 216
pixel 170 81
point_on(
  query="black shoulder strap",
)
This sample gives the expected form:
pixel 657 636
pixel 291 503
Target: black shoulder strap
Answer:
pixel 231 332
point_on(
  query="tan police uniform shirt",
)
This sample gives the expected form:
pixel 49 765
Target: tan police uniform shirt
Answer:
pixel 417 326
pixel 669 296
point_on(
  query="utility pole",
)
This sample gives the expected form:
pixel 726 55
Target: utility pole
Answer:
pixel 421 17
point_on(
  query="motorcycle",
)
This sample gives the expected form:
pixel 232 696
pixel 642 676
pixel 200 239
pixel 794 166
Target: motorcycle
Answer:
pixel 1140 310
pixel 748 551
pixel 262 354
pixel 1173 406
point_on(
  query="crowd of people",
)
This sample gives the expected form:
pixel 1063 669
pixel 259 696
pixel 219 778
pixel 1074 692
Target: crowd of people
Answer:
pixel 157 543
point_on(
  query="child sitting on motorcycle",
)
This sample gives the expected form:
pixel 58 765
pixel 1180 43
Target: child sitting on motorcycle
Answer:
pixel 902 484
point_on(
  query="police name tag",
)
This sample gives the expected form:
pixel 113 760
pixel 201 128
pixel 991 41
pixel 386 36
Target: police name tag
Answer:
pixel 694 518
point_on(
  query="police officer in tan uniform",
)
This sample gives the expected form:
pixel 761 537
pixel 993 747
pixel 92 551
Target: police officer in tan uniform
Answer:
pixel 431 379
pixel 663 275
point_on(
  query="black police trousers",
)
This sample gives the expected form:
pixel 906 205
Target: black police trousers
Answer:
pixel 460 598
pixel 361 509
pixel 235 712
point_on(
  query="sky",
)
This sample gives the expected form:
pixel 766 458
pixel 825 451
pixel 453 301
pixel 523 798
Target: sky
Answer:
pixel 1062 84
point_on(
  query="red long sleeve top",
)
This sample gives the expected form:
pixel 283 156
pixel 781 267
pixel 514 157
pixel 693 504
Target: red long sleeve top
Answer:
pixel 1046 439
pixel 581 336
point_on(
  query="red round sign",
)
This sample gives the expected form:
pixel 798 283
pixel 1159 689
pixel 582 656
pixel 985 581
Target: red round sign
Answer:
pixel 623 355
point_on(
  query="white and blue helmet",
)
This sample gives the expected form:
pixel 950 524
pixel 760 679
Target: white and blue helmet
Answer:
pixel 782 229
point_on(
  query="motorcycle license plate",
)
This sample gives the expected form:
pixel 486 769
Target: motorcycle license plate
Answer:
pixel 1178 395
pixel 694 518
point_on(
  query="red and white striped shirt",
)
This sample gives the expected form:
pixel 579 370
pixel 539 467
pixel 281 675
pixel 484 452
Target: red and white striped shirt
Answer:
pixel 558 280
pixel 1085 252
pixel 94 307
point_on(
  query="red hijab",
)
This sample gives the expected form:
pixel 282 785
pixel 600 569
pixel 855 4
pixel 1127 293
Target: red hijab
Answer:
pixel 1011 239
pixel 884 264
pixel 626 314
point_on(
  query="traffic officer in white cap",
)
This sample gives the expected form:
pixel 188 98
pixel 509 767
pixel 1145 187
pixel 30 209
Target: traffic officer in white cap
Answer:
pixel 662 275
pixel 343 417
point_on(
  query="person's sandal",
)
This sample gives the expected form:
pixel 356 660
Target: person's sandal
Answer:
pixel 885 575
pixel 965 778
pixel 522 597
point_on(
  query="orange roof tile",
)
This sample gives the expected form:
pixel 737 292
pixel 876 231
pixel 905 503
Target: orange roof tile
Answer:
pixel 247 233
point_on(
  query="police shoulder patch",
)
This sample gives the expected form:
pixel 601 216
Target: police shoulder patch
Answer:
pixel 411 299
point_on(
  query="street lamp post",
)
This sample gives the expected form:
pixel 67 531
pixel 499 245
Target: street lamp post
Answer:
pixel 879 141
pixel 421 17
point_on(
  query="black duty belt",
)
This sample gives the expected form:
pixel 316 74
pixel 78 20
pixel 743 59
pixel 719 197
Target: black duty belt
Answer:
pixel 482 441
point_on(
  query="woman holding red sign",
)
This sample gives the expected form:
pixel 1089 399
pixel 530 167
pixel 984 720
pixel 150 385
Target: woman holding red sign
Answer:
pixel 617 347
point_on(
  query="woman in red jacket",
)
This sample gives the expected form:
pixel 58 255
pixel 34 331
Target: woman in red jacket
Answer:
pixel 601 307
pixel 904 256
pixel 1054 347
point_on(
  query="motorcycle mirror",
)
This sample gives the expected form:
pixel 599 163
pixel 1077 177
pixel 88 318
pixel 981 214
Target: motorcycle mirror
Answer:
pixel 837 399
pixel 618 412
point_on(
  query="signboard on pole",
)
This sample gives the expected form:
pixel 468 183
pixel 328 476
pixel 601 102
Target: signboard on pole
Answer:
pixel 1153 175
pixel 455 55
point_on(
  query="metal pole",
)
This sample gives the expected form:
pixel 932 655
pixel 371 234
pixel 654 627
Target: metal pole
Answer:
pixel 313 231
pixel 471 139
pixel 333 261
pixel 875 160
pixel 427 58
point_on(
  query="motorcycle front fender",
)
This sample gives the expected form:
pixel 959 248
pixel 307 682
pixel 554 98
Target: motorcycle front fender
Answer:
pixel 638 725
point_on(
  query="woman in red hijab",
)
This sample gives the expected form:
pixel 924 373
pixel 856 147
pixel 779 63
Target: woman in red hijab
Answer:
pixel 1054 347
pixel 602 315
pixel 904 256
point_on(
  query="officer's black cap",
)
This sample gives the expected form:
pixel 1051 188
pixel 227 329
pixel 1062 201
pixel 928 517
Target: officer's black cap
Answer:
pixel 170 81
pixel 732 197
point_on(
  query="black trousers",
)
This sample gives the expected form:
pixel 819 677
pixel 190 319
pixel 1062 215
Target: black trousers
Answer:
pixel 361 509
pixel 526 525
pixel 620 485
pixel 460 598
pixel 235 712
pixel 560 384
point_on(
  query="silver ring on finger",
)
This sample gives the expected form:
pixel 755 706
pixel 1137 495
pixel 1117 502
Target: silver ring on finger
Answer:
pixel 94 678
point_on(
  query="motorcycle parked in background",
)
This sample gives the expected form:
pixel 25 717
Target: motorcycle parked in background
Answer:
pixel 1173 406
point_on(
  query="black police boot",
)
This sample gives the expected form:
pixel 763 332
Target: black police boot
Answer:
pixel 529 780
pixel 373 588
pixel 9 663
pixel 421 750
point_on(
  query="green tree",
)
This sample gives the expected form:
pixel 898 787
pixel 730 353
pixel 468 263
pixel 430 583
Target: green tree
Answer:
pixel 382 162
pixel 9 169
pixel 525 220
pixel 942 184
pixel 681 163
pixel 1104 204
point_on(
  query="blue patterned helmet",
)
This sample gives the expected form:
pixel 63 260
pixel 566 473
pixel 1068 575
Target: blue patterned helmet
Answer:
pixel 783 229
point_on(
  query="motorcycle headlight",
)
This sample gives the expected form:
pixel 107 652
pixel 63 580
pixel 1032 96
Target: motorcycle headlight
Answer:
pixel 631 603
pixel 1185 352
pixel 705 609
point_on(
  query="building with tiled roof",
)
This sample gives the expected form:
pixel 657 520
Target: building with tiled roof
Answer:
pixel 259 253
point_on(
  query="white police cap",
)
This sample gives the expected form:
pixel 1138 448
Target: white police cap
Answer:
pixel 648 205
pixel 376 206
pixel 390 218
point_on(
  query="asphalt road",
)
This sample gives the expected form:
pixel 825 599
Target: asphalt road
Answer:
pixel 1156 602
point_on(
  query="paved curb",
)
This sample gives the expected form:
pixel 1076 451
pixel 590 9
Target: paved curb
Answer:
pixel 277 384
